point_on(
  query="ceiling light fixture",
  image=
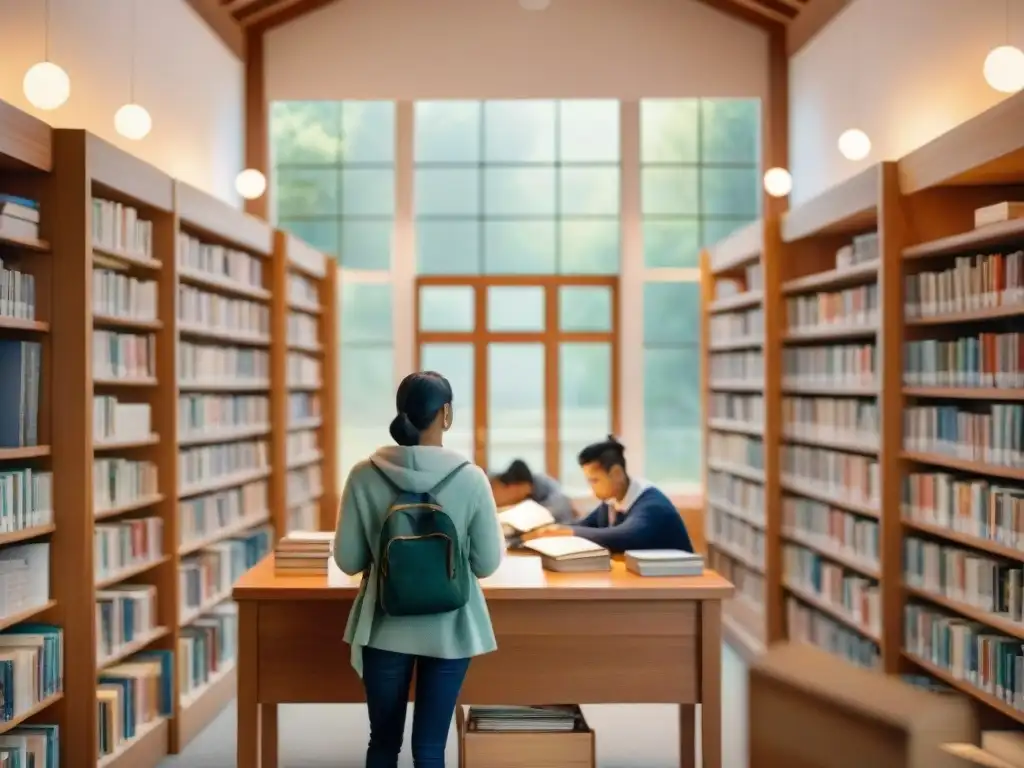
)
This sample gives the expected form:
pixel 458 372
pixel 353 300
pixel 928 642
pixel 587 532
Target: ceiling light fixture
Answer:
pixel 778 182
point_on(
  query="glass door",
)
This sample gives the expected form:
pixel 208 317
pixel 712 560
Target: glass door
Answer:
pixel 531 363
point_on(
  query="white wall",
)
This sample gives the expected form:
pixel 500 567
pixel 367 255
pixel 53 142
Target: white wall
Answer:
pixel 192 85
pixel 440 49
pixel 904 71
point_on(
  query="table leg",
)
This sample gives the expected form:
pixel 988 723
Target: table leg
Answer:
pixel 268 735
pixel 249 742
pixel 687 736
pixel 711 683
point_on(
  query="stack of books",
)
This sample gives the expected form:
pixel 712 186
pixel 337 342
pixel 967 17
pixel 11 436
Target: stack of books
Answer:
pixel 19 217
pixel 545 719
pixel 664 562
pixel 303 553
pixel 570 554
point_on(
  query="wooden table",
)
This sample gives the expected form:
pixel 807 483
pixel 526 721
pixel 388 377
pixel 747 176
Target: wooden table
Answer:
pixel 586 638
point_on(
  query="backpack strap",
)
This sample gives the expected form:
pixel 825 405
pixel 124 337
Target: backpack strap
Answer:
pixel 446 479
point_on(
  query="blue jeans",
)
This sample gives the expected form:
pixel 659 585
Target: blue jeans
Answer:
pixel 386 678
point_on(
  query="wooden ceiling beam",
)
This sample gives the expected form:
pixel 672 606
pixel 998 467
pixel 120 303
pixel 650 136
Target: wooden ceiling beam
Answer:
pixel 223 24
pixel 295 9
pixel 816 14
pixel 748 11
pixel 768 12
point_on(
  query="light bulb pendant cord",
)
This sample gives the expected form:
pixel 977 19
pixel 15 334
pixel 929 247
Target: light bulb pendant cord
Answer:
pixel 135 50
pixel 46 31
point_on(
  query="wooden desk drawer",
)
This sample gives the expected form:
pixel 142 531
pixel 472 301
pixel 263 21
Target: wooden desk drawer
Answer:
pixel 524 750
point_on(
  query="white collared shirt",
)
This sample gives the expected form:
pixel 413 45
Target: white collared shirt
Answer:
pixel 616 507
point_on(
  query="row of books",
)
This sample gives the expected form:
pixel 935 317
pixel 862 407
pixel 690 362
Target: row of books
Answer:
pixel 216 365
pixel 808 625
pixel 202 517
pixel 220 261
pixel 302 291
pixel 737 537
pixel 965 576
pixel 832 365
pixel 117 227
pixel 24 577
pixel 17 292
pixel 982 360
pixel 211 311
pixel 304 485
pixel 848 419
pixel 971 652
pixel 116 294
pixel 198 413
pixel 850 307
pixel 303 517
pixel 26 498
pixel 743 324
pixel 970 506
pixel 206 648
pixel 301 444
pixel 738 493
pixel 206 577
pixel 209 462
pixel 843 475
pixel 303 406
pixel 856 597
pixel 125 614
pixel 749 583
pixel 972 283
pixel 832 530
pixel 302 330
pixel 125 544
pixel 302 370
pixel 736 449
pixel 31 667
pixel 20 377
pixel 123 355
pixel 737 366
pixel 746 408
pixel 115 420
pixel 117 482
pixel 132 696
pixel 862 249
pixel 992 433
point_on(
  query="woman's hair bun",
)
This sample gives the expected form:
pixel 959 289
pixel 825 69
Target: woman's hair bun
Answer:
pixel 403 431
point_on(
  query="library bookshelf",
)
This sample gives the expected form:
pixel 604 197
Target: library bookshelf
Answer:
pixel 896 518
pixel 304 392
pixel 150 441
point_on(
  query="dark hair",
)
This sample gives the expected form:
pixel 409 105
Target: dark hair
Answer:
pixel 608 453
pixel 517 472
pixel 419 398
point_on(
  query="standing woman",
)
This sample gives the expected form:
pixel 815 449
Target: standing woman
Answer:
pixel 419 522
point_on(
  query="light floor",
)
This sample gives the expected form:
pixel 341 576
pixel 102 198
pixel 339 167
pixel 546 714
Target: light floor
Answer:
pixel 334 736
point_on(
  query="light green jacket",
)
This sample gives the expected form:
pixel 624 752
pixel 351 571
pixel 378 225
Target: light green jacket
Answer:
pixel 468 500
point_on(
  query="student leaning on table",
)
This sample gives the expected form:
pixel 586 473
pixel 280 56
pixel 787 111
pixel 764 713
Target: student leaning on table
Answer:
pixel 632 515
pixel 386 648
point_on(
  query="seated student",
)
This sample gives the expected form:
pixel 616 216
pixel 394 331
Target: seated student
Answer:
pixel 632 515
pixel 518 483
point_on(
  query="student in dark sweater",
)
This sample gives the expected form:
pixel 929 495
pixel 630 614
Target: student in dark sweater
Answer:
pixel 518 483
pixel 632 515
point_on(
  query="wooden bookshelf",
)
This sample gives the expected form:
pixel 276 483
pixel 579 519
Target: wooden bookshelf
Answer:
pixel 304 365
pixel 223 286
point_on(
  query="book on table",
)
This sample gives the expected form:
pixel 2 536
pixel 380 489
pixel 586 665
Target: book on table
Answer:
pixel 524 517
pixel 303 553
pixel 570 554
pixel 664 562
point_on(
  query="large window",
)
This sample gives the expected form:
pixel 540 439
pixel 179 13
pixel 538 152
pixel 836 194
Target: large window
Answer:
pixel 700 180
pixel 334 186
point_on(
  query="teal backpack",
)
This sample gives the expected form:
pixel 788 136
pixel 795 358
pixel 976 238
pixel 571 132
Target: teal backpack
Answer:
pixel 421 568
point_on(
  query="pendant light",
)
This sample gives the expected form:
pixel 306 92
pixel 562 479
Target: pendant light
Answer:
pixel 251 184
pixel 46 85
pixel 778 182
pixel 132 120
pixel 1004 65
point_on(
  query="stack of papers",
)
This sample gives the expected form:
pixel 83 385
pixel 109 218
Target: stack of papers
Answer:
pixel 303 553
pixel 547 719
pixel 664 562
pixel 570 554
pixel 524 517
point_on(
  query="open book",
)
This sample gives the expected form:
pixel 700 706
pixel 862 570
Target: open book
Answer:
pixel 525 516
